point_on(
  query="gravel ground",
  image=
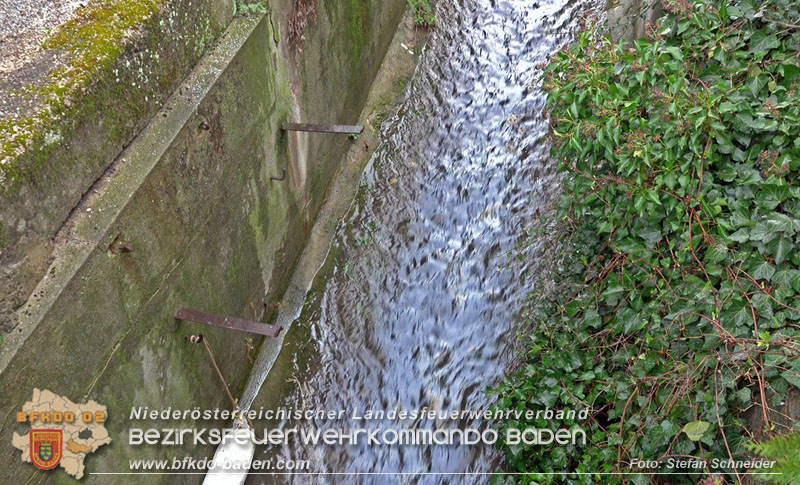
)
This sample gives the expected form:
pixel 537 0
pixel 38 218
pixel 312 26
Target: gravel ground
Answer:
pixel 23 26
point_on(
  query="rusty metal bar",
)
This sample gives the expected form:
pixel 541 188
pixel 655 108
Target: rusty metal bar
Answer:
pixel 345 129
pixel 232 323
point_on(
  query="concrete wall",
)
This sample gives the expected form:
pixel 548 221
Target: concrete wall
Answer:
pixel 59 132
pixel 204 225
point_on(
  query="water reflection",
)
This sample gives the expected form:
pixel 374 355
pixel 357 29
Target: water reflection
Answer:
pixel 418 308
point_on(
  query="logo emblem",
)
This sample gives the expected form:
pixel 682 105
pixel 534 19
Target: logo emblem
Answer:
pixel 46 446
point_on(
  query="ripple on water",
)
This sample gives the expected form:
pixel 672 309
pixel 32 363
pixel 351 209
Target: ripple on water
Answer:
pixel 420 307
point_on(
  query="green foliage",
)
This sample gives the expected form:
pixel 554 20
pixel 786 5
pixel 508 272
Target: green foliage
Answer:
pixel 785 450
pixel 423 13
pixel 245 7
pixel 677 305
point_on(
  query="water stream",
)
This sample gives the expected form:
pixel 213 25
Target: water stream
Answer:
pixel 417 304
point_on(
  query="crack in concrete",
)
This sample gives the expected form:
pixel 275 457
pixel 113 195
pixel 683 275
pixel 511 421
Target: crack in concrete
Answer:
pixel 273 29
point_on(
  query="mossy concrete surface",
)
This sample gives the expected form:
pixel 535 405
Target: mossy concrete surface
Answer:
pixel 66 116
pixel 272 382
pixel 189 215
pixel 335 64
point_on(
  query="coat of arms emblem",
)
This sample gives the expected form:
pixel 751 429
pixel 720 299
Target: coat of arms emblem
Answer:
pixel 46 447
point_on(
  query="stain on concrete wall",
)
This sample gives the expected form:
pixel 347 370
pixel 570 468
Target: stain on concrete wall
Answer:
pixel 204 225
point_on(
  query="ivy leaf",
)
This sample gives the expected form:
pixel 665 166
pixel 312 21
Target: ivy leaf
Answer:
pixel 662 434
pixel 717 253
pixel 630 321
pixel 696 429
pixel 762 42
pixel 744 395
pixel 741 218
pixel 651 234
pixel 592 319
pixel 783 246
pixel 771 195
pixel 737 313
pixel 572 308
pixel 740 236
pixel 784 277
pixel 792 375
pixel 780 222
pixel 761 232
pixel 762 270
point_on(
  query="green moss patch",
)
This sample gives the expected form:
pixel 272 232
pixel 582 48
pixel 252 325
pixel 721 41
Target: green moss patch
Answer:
pixel 95 39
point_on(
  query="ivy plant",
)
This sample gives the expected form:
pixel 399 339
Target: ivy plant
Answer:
pixel 675 313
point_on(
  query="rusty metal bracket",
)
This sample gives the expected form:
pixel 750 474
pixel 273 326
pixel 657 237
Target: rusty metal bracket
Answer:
pixel 232 323
pixel 344 129
pixel 281 178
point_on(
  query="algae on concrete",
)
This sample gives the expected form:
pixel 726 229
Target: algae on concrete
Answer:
pixel 62 128
pixel 204 225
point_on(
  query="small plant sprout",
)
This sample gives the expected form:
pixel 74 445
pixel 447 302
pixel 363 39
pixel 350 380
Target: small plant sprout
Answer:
pixel 423 13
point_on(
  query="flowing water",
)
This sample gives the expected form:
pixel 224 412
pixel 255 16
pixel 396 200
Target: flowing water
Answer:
pixel 418 302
